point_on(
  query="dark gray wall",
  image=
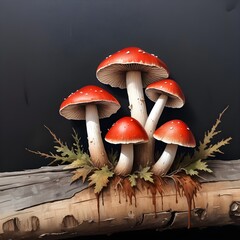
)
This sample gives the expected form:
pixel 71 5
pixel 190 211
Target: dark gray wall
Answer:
pixel 49 49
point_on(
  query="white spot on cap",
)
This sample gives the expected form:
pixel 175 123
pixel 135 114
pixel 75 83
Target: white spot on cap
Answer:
pixel 86 94
pixel 140 50
pixel 101 91
pixel 171 128
pixel 81 92
pixel 127 52
pixel 170 83
pixel 188 128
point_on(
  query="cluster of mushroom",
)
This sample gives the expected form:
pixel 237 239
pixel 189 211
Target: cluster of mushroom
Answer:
pixel 133 69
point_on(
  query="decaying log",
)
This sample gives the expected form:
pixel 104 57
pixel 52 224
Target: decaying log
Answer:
pixel 41 203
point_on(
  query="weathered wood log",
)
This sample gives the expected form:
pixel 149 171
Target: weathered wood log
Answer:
pixel 41 203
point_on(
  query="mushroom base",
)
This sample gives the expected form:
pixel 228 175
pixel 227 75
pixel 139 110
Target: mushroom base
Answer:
pixel 164 163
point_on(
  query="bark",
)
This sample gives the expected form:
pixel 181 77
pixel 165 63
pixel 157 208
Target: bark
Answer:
pixel 41 203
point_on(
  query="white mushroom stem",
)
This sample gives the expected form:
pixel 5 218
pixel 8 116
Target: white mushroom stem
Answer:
pixel 155 114
pixel 146 150
pixel 164 163
pixel 136 98
pixel 125 163
pixel 95 143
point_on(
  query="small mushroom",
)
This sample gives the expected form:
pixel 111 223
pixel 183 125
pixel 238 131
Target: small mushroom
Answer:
pixel 174 133
pixel 126 131
pixel 165 93
pixel 91 103
pixel 132 68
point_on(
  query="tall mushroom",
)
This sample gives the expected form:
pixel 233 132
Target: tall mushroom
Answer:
pixel 91 103
pixel 126 131
pixel 132 68
pixel 174 133
pixel 165 93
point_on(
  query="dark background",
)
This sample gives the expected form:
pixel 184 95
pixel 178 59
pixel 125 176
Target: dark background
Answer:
pixel 49 49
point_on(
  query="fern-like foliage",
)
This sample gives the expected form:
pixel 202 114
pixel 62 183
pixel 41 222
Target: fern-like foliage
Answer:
pixel 100 178
pixel 144 173
pixel 194 163
pixel 79 162
pixel 65 154
pixel 113 157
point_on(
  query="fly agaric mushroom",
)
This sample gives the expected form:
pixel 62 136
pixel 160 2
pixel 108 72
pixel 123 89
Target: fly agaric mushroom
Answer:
pixel 165 93
pixel 126 131
pixel 91 103
pixel 174 133
pixel 132 68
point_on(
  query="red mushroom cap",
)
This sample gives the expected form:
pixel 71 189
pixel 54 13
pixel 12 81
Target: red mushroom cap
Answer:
pixel 175 132
pixel 73 107
pixel 167 87
pixel 112 70
pixel 126 130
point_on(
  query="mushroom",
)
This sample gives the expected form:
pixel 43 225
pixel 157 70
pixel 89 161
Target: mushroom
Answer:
pixel 91 103
pixel 132 68
pixel 126 131
pixel 174 133
pixel 165 93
